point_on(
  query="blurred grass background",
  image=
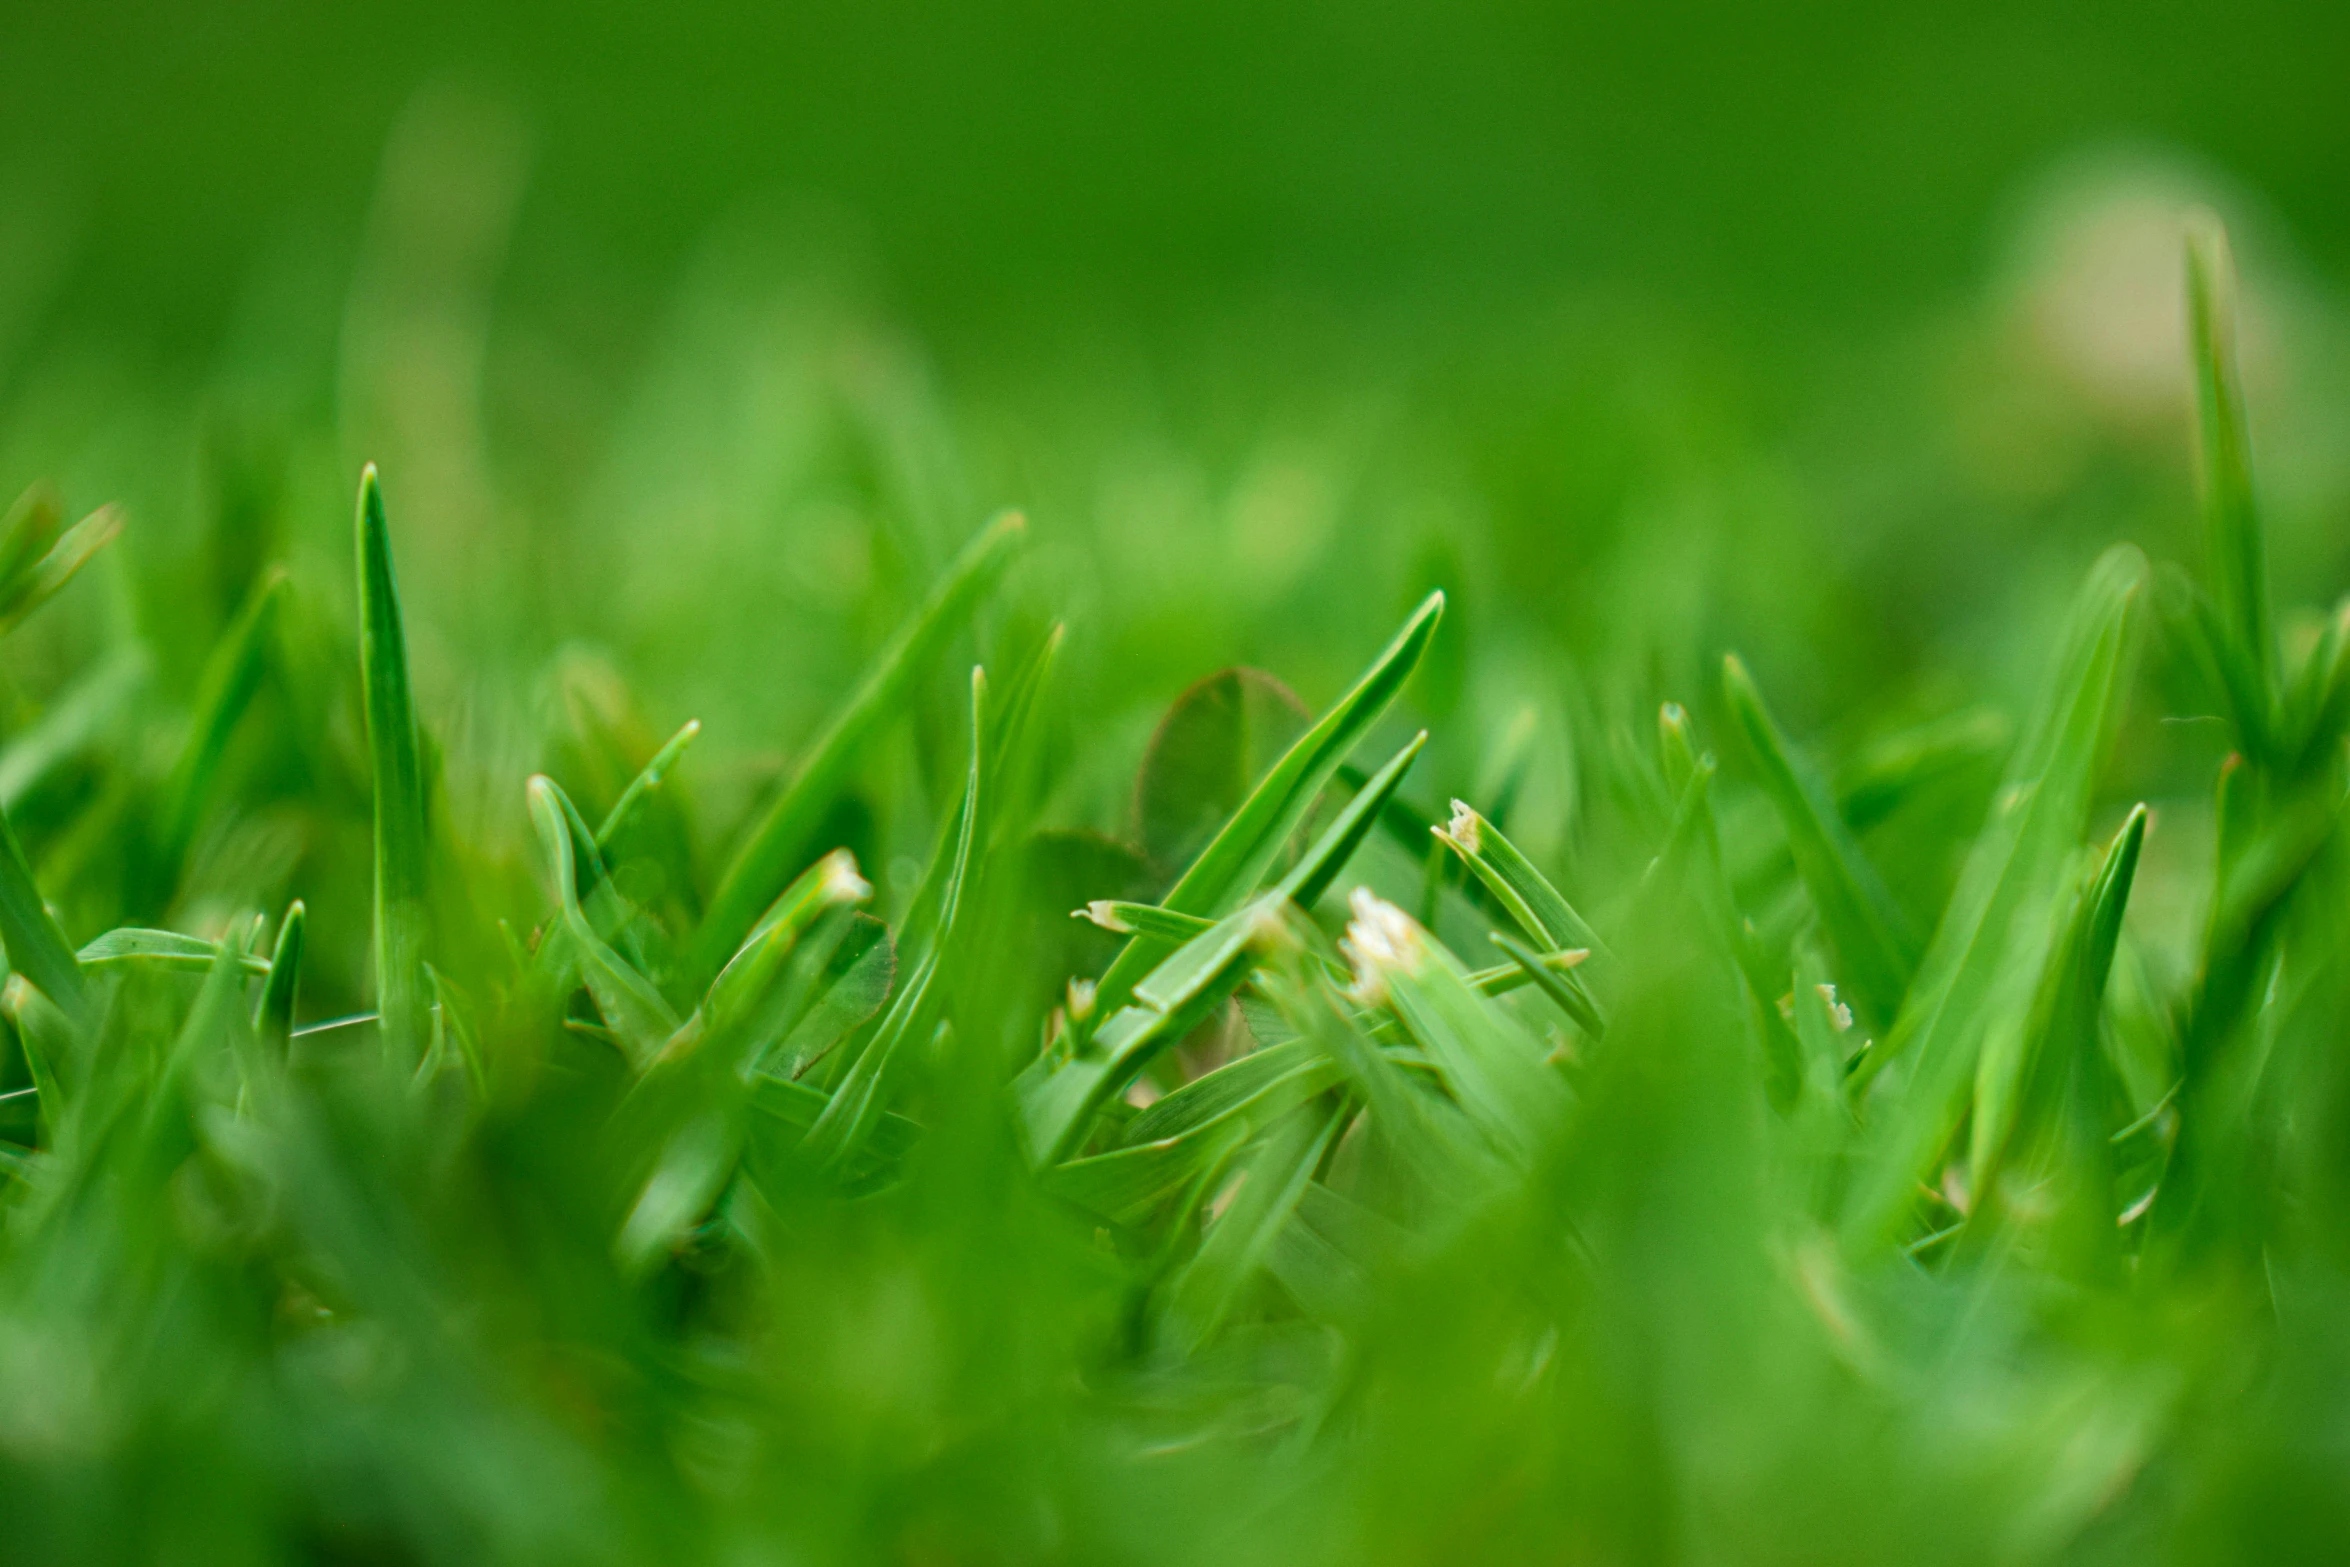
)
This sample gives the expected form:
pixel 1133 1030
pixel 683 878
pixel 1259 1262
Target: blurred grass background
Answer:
pixel 1841 334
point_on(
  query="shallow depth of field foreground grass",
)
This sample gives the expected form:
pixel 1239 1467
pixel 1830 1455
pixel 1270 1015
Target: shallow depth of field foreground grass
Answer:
pixel 505 1131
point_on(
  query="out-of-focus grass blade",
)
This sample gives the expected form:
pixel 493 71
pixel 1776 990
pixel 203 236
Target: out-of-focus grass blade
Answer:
pixel 1562 985
pixel 273 1012
pixel 796 1107
pixel 1892 770
pixel 37 949
pixel 402 853
pixel 1690 774
pixel 1524 893
pixel 845 1005
pixel 231 676
pixel 71 725
pixel 2238 553
pixel 829 884
pixel 217 1020
pixel 636 800
pixel 47 1037
pixel 29 530
pixel 839 1134
pixel 163 948
pixel 1493 1067
pixel 1208 1288
pixel 1987 930
pixel 1164 1149
pixel 2014 1087
pixel 1876 951
pixel 1230 866
pixel 37 558
pixel 1428 1133
pixel 640 1016
pixel 1058 1100
pixel 769 854
pixel 646 842
pixel 2315 712
pixel 2228 1033
pixel 1230 1088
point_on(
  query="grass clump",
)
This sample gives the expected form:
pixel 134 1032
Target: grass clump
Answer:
pixel 1382 1192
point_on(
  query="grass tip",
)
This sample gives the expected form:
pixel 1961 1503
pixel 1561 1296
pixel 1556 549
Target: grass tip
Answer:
pixel 1103 912
pixel 1380 940
pixel 842 881
pixel 1465 830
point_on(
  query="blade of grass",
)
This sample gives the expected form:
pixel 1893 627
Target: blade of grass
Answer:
pixel 1969 971
pixel 1164 1149
pixel 840 1133
pixel 273 1012
pixel 1059 1098
pixel 1876 950
pixel 1140 919
pixel 2017 1091
pixel 1562 986
pixel 402 852
pixel 231 676
pixel 1229 867
pixel 637 798
pixel 1524 893
pixel 71 725
pixel 640 1016
pixel 163 948
pixel 769 854
pixel 36 560
pixel 37 949
pixel 1204 1294
pixel 2233 535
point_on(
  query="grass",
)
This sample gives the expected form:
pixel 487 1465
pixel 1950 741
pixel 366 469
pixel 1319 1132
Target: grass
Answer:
pixel 1830 1150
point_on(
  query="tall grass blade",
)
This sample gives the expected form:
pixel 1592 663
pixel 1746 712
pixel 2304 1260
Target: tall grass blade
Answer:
pixel 36 948
pixel 2233 536
pixel 402 852
pixel 1875 949
pixel 231 676
pixel 1971 971
pixel 2019 1089
pixel 771 852
pixel 840 1133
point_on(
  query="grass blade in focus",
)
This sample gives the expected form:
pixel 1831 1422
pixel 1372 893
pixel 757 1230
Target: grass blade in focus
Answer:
pixel 1237 856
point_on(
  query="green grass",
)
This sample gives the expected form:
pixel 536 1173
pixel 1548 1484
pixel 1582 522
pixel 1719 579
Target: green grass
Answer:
pixel 1716 1138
